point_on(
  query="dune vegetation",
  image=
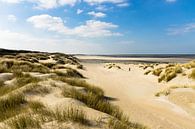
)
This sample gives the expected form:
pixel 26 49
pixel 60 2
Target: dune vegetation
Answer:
pixel 168 72
pixel 34 77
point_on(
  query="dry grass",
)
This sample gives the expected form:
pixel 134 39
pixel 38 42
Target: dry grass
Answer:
pixel 110 66
pixel 117 124
pixel 71 114
pixel 1 83
pixel 11 105
pixel 192 75
pixel 94 101
pixel 36 88
pixel 70 73
pixel 82 83
pixel 157 72
pixel 21 80
pixel 24 66
pixel 168 90
pixel 147 72
pixel 25 121
pixel 170 73
pixel 36 105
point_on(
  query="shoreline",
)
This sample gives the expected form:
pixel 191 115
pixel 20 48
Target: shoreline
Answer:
pixel 132 60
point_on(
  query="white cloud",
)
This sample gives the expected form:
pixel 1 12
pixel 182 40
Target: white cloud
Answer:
pixel 15 40
pixel 50 4
pixel 91 28
pixel 92 2
pixel 12 18
pixel 79 11
pixel 97 14
pixel 187 28
pixel 123 4
pixel 171 1
pixel 45 4
pixel 11 1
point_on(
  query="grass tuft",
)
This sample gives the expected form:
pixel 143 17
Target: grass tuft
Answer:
pixel 82 83
pixel 69 73
pixel 94 101
pixel 26 121
pixel 117 124
pixel 192 75
pixel 11 105
pixel 71 114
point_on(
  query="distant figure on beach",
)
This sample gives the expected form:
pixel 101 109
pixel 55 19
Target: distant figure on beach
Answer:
pixel 129 69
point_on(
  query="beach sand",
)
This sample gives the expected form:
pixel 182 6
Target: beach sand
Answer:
pixel 135 92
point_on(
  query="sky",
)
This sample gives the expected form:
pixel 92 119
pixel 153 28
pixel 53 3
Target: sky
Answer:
pixel 99 26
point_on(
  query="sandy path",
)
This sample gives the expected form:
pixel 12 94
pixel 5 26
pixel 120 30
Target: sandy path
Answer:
pixel 135 95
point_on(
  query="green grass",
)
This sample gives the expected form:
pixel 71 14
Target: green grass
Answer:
pixel 26 121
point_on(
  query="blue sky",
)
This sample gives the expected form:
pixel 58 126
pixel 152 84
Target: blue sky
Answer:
pixel 99 26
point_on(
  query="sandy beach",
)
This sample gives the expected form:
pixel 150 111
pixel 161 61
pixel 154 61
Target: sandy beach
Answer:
pixel 135 92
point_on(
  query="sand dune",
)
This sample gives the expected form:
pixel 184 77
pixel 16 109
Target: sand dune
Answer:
pixel 134 93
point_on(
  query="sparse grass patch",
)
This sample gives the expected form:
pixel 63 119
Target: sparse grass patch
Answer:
pixel 41 90
pixel 117 124
pixel 71 114
pixel 82 83
pixel 69 73
pixel 94 101
pixel 167 91
pixel 25 121
pixel 110 66
pixel 35 88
